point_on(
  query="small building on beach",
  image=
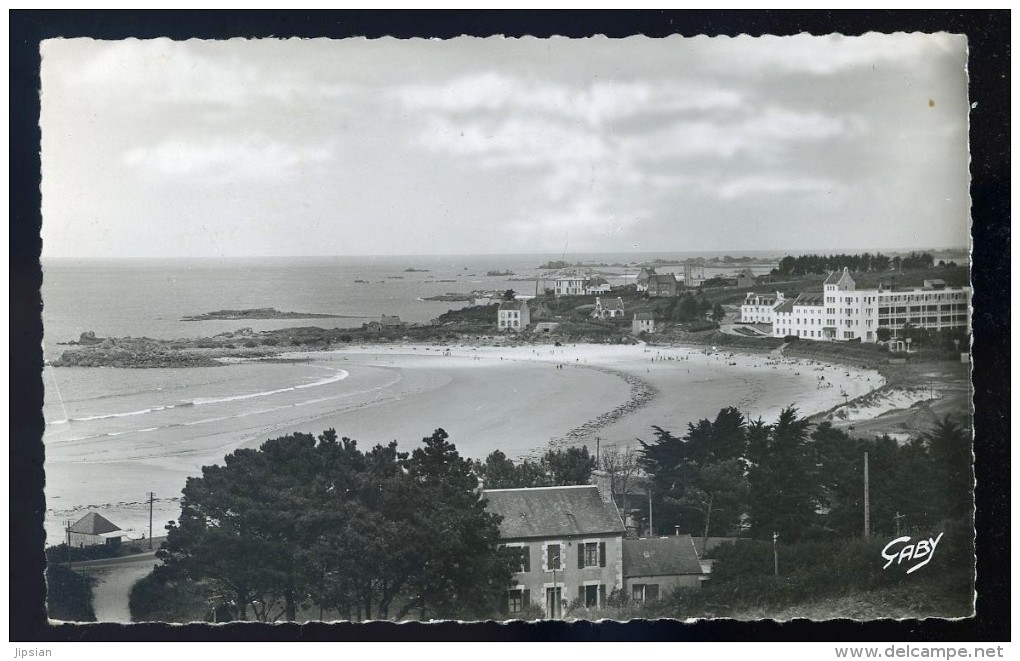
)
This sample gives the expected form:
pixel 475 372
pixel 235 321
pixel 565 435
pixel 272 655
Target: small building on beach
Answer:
pixel 92 530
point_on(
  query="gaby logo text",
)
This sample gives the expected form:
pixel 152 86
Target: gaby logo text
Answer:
pixel 923 549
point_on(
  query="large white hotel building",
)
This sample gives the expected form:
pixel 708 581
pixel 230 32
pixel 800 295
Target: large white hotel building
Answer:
pixel 843 312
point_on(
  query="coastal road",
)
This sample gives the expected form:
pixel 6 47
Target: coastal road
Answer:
pixel 114 578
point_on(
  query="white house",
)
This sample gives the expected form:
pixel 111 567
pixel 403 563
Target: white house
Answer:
pixel 513 316
pixel 572 285
pixel 608 309
pixel 644 322
pixel 843 312
pixel 801 317
pixel 597 286
pixel 758 308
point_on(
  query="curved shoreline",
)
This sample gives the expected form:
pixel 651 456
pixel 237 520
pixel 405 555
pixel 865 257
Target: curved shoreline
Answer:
pixel 641 394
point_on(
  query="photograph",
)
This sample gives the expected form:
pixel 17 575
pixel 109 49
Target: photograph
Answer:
pixel 492 329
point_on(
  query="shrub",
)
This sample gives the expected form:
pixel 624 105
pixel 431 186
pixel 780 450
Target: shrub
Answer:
pixel 68 595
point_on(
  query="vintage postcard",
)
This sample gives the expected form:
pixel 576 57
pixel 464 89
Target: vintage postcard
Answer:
pixel 507 329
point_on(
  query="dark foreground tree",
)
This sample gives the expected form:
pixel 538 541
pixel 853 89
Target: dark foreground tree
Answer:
pixel 698 481
pixel 784 486
pixel 68 594
pixel 304 522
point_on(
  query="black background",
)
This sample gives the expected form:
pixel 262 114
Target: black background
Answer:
pixel 989 58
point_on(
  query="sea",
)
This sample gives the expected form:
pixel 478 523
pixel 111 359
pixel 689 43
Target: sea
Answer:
pixel 115 435
pixel 131 297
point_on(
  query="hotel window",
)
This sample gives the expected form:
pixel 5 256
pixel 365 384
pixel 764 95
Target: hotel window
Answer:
pixel 552 557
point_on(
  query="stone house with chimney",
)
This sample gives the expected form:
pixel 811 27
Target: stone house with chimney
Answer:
pixel 662 284
pixel 610 308
pixel 570 542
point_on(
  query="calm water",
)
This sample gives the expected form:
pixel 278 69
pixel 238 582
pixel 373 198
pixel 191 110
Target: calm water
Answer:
pixel 148 298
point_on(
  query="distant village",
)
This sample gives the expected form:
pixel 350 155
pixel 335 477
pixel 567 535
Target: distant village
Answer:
pixel 842 311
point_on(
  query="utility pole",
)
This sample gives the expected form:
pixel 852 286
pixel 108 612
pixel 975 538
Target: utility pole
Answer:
pixel 151 497
pixel 897 520
pixel 867 501
pixel 598 452
pixel 775 552
pixel 67 527
pixel 651 528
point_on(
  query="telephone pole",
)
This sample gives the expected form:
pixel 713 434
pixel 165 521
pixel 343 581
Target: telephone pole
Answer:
pixel 67 527
pixel 151 497
pixel 867 501
pixel 775 552
pixel 651 528
pixel 897 520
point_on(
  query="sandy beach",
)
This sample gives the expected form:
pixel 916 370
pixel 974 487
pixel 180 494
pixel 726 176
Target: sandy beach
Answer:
pixel 520 400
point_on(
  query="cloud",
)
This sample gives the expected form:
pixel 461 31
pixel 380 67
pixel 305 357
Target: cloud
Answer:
pixel 213 73
pixel 253 157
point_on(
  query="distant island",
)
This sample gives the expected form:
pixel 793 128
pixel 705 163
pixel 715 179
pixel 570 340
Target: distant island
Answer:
pixel 500 273
pixel 451 297
pixel 258 313
pixel 416 270
pixel 560 264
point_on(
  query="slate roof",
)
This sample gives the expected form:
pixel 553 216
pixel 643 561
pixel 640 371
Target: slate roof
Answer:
pixel 785 306
pixel 553 512
pixel 644 316
pixel 811 298
pixel 662 278
pixel 512 305
pixel 93 524
pixel 836 277
pixel 660 556
pixel 611 303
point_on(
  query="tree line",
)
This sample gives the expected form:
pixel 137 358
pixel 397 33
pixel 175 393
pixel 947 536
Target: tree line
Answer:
pixel 820 264
pixel 308 523
pixel 316 523
pixel 729 475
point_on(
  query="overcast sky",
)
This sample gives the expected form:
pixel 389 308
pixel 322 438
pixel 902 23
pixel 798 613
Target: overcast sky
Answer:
pixel 356 147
